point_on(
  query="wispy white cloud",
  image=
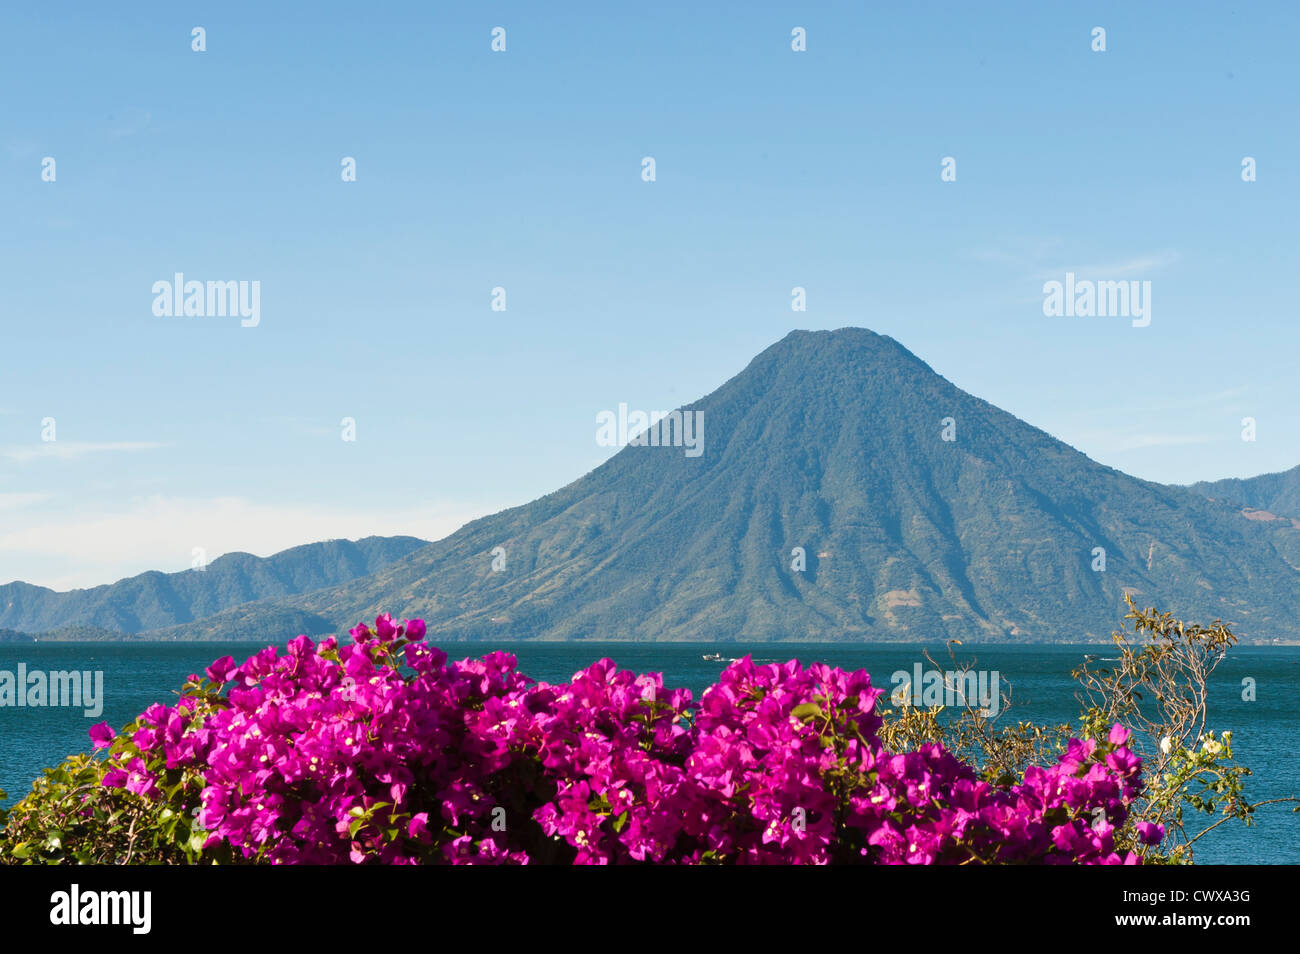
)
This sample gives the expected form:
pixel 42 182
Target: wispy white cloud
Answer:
pixel 128 122
pixel 71 450
pixel 1112 441
pixel 1023 253
pixel 1225 400
pixel 1137 441
pixel 16 501
pixel 1139 263
pixel 1136 264
pixel 1048 257
pixel 160 533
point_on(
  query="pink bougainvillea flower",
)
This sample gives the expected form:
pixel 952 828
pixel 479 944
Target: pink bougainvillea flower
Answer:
pixel 101 735
pixel 341 754
pixel 223 670
pixel 1150 833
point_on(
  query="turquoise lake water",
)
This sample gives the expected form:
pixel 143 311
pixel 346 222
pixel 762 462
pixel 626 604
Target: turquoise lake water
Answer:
pixel 1265 731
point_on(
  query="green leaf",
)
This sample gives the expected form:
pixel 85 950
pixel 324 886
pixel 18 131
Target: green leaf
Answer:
pixel 807 711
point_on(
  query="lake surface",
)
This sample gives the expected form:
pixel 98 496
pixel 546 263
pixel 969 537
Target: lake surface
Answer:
pixel 1265 731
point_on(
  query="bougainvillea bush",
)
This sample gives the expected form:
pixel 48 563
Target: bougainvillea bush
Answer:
pixel 381 750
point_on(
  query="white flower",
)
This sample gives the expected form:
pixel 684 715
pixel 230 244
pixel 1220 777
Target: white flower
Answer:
pixel 1166 745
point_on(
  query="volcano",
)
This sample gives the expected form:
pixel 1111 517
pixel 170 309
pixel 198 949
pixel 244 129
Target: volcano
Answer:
pixel 846 492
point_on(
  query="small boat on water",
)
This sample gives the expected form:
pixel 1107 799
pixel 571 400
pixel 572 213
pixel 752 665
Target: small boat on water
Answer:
pixel 713 657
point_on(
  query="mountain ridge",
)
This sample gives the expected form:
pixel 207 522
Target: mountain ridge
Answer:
pixel 832 441
pixel 153 599
pixel 1276 494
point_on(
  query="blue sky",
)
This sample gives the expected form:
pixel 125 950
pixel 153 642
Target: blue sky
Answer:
pixel 522 169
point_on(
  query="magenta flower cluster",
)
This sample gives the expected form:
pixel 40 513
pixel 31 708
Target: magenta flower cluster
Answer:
pixel 382 750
